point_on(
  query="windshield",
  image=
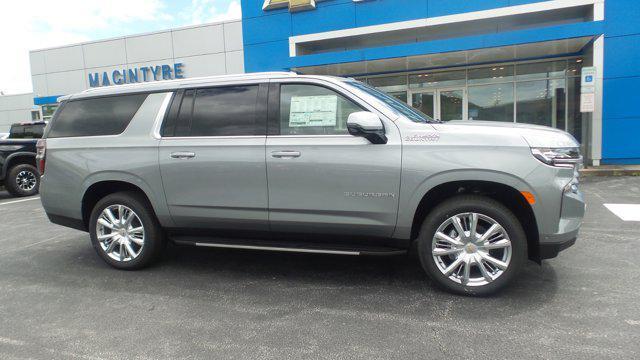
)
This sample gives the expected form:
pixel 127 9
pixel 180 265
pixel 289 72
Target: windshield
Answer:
pixel 400 107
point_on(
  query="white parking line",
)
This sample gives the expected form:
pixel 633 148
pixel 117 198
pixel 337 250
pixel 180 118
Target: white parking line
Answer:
pixel 626 212
pixel 19 201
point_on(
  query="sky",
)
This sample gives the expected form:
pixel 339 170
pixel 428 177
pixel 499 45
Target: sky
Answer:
pixel 35 24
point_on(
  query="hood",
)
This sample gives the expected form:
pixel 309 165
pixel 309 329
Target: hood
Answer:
pixel 534 135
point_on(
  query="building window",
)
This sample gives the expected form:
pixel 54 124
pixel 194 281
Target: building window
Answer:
pixel 48 111
pixel 541 102
pixel 35 115
pixel 438 80
pixel 541 70
pixel 544 93
pixel 575 124
pixel 491 102
pixel 491 74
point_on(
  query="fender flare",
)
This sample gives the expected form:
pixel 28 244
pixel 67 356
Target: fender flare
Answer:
pixel 5 166
pixel 406 216
pixel 157 200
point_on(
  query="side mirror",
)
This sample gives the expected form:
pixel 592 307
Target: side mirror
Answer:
pixel 367 125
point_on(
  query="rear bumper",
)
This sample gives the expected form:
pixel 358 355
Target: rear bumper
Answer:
pixel 77 224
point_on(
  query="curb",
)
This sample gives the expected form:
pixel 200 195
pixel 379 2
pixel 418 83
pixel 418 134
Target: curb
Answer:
pixel 610 171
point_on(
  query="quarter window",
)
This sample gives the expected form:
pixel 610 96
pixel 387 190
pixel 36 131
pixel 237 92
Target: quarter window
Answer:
pixel 95 117
pixel 313 110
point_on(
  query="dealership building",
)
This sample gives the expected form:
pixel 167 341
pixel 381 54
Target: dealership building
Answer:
pixel 569 64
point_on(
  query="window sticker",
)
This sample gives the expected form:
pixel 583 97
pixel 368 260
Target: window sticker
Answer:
pixel 309 111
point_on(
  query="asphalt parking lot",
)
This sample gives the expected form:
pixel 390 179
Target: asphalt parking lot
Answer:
pixel 59 300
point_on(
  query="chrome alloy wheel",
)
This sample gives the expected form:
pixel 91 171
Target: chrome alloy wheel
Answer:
pixel 120 233
pixel 471 249
pixel 26 180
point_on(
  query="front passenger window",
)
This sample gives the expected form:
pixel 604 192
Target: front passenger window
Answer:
pixel 313 110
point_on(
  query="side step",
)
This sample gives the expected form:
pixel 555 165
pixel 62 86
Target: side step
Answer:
pixel 309 248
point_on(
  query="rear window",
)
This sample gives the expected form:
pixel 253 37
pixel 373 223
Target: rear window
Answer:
pixel 26 131
pixel 95 117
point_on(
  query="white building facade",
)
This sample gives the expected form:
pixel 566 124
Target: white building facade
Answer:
pixel 17 108
pixel 201 50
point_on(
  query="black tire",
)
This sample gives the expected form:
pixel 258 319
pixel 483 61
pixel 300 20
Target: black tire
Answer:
pixel 20 173
pixel 482 205
pixel 154 240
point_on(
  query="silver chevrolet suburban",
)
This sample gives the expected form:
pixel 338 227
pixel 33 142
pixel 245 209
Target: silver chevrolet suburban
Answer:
pixel 311 164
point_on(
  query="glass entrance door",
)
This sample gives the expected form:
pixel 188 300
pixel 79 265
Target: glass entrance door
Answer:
pixel 451 104
pixel 441 104
pixel 425 102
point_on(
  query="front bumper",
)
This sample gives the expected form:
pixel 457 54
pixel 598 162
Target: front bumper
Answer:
pixel 552 245
pixel 571 214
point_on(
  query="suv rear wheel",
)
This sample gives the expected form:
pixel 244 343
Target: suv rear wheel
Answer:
pixel 125 232
pixel 472 245
pixel 23 180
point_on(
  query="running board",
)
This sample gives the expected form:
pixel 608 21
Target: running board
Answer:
pixel 280 249
pixel 291 247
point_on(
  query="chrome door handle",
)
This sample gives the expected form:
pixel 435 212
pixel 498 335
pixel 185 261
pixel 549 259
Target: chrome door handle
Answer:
pixel 285 154
pixel 183 155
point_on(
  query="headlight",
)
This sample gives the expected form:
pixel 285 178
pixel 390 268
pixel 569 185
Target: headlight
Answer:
pixel 560 157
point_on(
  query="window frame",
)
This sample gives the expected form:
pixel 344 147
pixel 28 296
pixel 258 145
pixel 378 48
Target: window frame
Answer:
pixel 273 110
pixel 173 111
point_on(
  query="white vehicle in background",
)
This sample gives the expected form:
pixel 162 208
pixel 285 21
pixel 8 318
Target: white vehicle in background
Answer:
pixel 4 136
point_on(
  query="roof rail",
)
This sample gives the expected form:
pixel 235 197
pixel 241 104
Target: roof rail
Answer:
pixel 257 75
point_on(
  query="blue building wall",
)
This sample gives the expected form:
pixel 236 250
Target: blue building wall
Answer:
pixel 621 88
pixel 266 47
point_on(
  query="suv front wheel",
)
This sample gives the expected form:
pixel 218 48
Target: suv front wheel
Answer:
pixel 125 232
pixel 472 245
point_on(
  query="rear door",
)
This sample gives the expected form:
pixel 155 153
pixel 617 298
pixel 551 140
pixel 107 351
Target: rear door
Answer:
pixel 322 180
pixel 212 158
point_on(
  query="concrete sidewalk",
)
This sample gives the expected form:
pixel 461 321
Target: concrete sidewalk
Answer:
pixel 611 170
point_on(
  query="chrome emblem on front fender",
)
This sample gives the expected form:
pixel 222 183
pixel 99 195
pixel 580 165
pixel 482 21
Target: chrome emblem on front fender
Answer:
pixel 429 137
pixel 369 194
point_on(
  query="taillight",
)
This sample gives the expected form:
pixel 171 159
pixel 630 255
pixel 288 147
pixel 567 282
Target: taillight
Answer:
pixel 41 151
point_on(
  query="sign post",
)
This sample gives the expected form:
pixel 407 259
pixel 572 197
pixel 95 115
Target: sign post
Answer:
pixel 588 89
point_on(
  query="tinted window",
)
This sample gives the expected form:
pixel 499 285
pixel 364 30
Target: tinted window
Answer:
pixel 29 131
pixel 93 117
pixel 313 110
pixel 183 123
pixel 225 111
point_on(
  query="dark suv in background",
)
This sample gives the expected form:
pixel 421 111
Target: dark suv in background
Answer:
pixel 18 168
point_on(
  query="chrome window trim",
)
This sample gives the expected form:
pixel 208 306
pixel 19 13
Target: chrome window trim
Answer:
pixel 312 136
pixel 213 137
pixel 162 112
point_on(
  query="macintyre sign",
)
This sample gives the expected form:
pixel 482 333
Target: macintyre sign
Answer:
pixel 136 75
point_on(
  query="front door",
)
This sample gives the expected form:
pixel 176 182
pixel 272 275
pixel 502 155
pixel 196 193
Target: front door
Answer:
pixel 212 159
pixel 441 104
pixel 322 180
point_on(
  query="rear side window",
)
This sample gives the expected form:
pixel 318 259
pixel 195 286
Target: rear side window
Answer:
pixel 34 131
pixel 225 111
pixel 95 117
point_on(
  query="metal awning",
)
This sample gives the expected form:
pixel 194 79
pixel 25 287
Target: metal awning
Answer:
pixel 539 50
